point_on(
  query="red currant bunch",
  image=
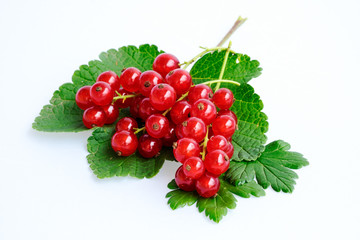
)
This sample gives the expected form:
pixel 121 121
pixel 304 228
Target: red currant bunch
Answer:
pixel 166 110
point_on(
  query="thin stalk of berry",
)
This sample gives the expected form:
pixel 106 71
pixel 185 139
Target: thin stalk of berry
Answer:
pixel 223 66
pixel 236 25
pixel 204 144
pixel 181 98
pixel 139 130
pixel 124 97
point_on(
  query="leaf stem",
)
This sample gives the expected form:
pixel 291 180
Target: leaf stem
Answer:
pixel 223 66
pixel 236 25
pixel 204 144
pixel 221 81
pixel 186 64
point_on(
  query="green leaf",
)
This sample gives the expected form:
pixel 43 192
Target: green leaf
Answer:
pixel 62 114
pixel 172 185
pixel 272 168
pixel 250 137
pixel 216 207
pixel 179 198
pixel 105 163
pixel 239 67
pixel 245 190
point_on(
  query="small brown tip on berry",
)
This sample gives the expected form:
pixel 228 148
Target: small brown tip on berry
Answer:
pixel 170 73
pixel 94 125
pixel 184 123
pixel 226 157
pixel 147 84
pixel 155 126
pixel 174 145
pixel 211 95
pixel 98 89
pixel 188 168
pixel 160 86
pixel 123 69
pixel 158 154
pixel 119 153
pixel 200 106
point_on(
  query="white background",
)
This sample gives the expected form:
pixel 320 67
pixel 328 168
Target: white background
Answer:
pixel 310 53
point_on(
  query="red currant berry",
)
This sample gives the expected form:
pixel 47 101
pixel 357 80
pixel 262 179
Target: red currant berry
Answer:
pixel 230 150
pixel 228 113
pixel 83 99
pixel 185 148
pixel 157 125
pixel 178 131
pixel 207 185
pixel 216 162
pixel 124 143
pixel 180 112
pixel 146 109
pixel 149 146
pixel 183 182
pixel 94 117
pixel 126 123
pixel 148 80
pixel 111 112
pixel 130 79
pixel 110 78
pixel 170 137
pixel 162 96
pixel 135 105
pixel 205 110
pixel 224 125
pixel 193 167
pixel 199 91
pixel 194 128
pixel 217 142
pixel 180 80
pixel 101 93
pixel 164 63
pixel 223 98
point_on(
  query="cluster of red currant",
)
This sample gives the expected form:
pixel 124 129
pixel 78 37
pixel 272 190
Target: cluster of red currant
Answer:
pixel 176 113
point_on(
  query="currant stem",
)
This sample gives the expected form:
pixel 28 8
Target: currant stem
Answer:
pixel 181 98
pixel 205 143
pixel 236 25
pixel 223 67
pixel 124 96
pixel 186 64
pixel 139 130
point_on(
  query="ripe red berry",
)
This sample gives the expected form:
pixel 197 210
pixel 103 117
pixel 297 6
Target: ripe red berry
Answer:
pixel 170 137
pixel 180 111
pixel 164 63
pixel 180 80
pixel 149 146
pixel 216 162
pixel 183 182
pixel 124 143
pixel 185 148
pixel 193 167
pixel 126 123
pixel 101 93
pixel 194 128
pixel 110 78
pixel 207 185
pixel 223 98
pixel 217 142
pixel 157 125
pixel 130 79
pixel 224 125
pixel 121 103
pixel 146 109
pixel 178 131
pixel 205 110
pixel 94 117
pixel 162 96
pixel 135 105
pixel 148 80
pixel 228 113
pixel 199 91
pixel 111 112
pixel 230 150
pixel 83 99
